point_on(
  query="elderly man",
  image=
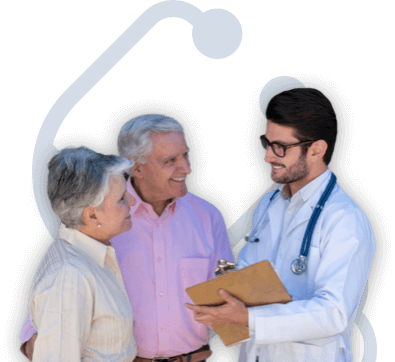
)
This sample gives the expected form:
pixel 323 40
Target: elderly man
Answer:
pixel 176 241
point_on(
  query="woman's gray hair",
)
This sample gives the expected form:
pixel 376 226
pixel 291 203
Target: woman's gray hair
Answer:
pixel 134 141
pixel 80 177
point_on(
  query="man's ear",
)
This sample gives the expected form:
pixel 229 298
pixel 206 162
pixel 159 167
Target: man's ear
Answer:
pixel 137 170
pixel 318 149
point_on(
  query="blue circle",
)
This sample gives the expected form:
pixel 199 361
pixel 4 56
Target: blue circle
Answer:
pixel 217 33
pixel 276 86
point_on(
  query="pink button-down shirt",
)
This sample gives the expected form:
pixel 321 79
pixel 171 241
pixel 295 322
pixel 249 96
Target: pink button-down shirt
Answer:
pixel 159 258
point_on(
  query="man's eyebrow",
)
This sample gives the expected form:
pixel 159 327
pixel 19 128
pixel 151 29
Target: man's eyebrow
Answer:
pixel 173 156
pixel 281 142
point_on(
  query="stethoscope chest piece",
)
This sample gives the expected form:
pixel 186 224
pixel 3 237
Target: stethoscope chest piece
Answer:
pixel 299 266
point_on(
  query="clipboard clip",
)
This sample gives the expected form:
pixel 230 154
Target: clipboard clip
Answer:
pixel 224 267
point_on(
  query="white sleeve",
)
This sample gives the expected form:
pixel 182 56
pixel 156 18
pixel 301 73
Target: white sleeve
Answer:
pixel 247 255
pixel 61 307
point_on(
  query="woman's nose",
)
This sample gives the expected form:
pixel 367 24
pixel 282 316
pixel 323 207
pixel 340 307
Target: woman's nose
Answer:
pixel 132 200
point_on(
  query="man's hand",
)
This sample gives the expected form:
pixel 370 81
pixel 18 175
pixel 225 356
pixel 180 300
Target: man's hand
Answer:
pixel 29 347
pixel 233 311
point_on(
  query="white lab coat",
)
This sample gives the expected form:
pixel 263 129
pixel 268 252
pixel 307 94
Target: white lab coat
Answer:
pixel 317 324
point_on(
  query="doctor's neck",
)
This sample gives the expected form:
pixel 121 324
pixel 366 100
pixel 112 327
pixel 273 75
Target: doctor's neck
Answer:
pixel 292 188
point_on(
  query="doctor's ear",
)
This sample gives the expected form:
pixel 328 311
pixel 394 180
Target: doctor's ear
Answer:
pixel 318 149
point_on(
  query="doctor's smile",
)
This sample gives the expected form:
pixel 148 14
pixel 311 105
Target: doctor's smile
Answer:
pixel 276 167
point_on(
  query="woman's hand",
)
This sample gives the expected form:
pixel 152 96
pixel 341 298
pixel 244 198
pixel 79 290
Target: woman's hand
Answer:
pixel 29 347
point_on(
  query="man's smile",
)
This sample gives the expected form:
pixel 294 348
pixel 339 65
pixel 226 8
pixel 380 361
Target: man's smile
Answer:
pixel 179 179
pixel 276 166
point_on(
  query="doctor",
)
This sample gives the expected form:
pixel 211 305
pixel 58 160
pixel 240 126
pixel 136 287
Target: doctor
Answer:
pixel 323 257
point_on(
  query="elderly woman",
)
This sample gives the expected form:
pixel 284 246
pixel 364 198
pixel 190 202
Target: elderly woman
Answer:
pixel 78 302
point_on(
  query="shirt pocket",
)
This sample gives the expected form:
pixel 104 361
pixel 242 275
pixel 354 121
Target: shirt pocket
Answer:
pixel 193 271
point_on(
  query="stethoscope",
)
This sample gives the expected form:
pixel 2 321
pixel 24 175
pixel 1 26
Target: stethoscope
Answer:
pixel 299 265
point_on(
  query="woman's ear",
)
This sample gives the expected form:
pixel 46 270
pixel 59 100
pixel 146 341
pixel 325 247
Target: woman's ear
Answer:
pixel 89 216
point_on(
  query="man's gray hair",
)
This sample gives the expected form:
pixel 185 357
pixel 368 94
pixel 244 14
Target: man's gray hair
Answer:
pixel 134 141
pixel 80 177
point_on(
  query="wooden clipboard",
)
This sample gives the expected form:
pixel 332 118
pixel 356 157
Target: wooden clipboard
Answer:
pixel 257 284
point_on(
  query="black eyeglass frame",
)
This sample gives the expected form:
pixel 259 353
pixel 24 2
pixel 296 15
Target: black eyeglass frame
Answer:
pixel 265 144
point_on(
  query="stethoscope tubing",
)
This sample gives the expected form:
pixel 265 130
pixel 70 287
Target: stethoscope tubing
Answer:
pixel 299 266
pixel 304 250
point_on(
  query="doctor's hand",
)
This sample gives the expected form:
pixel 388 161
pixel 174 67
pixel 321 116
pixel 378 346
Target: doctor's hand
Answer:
pixel 233 311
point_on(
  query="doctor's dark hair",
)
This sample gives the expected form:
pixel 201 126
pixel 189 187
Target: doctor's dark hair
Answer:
pixel 309 113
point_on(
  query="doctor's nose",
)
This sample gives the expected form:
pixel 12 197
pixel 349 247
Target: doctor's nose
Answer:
pixel 269 156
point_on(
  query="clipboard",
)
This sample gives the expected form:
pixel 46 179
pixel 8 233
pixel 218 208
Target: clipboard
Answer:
pixel 257 284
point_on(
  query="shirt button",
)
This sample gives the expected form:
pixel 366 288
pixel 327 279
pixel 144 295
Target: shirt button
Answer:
pixel 161 294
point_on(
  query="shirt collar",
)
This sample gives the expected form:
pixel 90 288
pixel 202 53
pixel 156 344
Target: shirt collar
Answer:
pixel 140 203
pixel 95 249
pixel 305 192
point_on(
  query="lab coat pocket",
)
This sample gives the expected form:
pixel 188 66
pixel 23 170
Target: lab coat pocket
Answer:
pixel 312 267
pixel 298 352
pixel 193 271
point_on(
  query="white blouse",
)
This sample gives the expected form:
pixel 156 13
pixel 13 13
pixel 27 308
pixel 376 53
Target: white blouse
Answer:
pixel 78 303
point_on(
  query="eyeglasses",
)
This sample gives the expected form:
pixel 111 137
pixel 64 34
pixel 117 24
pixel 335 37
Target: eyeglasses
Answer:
pixel 278 148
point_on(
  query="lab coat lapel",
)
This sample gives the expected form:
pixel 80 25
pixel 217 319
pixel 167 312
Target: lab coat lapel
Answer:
pixel 306 210
pixel 302 216
pixel 276 218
